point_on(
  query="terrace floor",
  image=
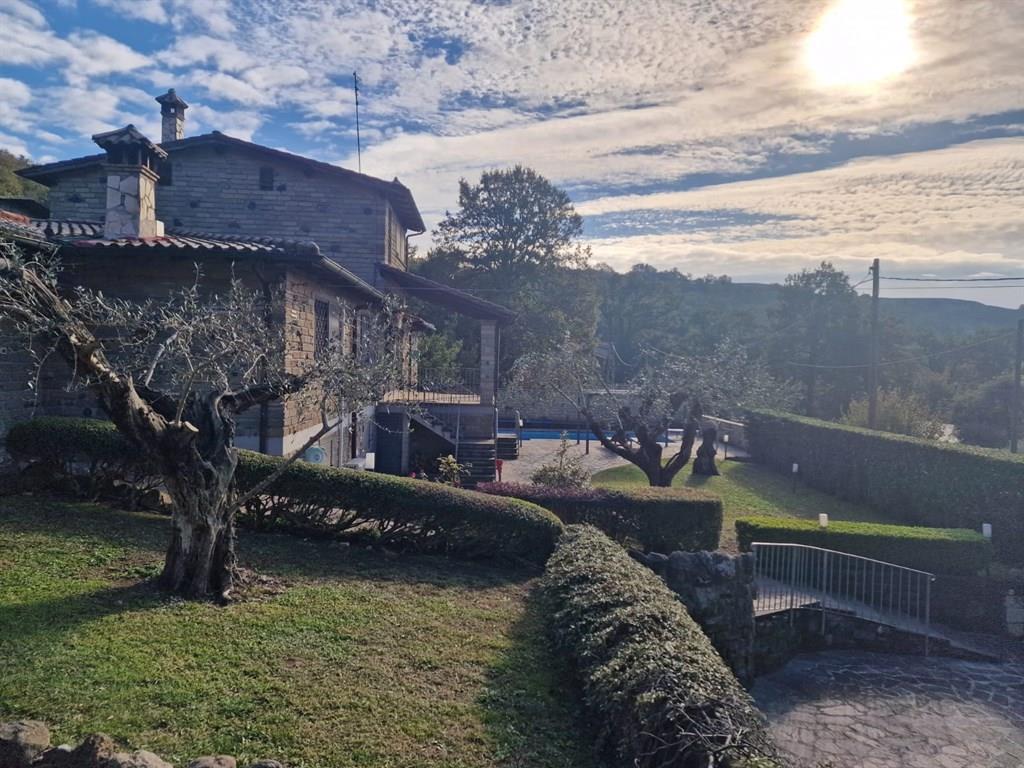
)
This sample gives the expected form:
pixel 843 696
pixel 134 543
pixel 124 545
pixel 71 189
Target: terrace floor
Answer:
pixel 863 710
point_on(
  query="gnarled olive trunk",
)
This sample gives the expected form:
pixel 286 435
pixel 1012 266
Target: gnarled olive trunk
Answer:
pixel 199 475
pixel 648 453
pixel 200 558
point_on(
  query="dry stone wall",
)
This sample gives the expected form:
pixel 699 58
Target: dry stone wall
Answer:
pixel 26 744
pixel 718 591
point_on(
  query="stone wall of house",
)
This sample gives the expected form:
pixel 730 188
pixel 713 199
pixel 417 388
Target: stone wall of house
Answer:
pixel 80 195
pixel 301 415
pixel 718 591
pixel 217 189
pixel 153 276
pixel 26 744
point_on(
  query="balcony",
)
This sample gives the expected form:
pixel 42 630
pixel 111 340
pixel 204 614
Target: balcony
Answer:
pixel 460 386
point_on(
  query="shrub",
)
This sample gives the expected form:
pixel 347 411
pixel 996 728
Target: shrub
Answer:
pixel 936 550
pixel 88 455
pixel 650 677
pixel 902 413
pixel 918 482
pixel 657 519
pixel 566 471
pixel 426 516
pixel 324 500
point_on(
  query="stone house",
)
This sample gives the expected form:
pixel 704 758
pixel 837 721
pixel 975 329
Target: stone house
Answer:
pixel 134 219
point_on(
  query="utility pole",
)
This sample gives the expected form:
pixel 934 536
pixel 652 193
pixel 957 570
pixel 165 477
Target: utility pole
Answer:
pixel 873 370
pixel 359 144
pixel 1015 400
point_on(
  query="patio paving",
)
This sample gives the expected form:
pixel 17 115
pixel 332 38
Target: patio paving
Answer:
pixel 535 453
pixel 863 710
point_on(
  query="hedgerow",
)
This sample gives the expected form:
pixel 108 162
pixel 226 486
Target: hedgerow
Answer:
pixel 914 481
pixel 650 677
pixel 657 519
pixel 425 515
pixel 321 500
pixel 936 550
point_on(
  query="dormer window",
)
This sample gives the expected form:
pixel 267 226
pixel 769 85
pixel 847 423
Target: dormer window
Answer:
pixel 267 178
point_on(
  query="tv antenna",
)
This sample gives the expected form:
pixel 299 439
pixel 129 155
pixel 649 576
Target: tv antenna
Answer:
pixel 359 145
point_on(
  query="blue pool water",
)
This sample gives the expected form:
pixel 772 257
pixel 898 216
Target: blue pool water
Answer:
pixel 555 434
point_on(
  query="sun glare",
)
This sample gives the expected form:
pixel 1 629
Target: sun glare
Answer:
pixel 860 42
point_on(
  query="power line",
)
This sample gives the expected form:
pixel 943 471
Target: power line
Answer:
pixel 953 279
pixel 901 361
pixel 865 280
pixel 959 287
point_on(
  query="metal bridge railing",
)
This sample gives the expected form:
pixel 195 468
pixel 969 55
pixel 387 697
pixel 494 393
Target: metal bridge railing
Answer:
pixel 793 576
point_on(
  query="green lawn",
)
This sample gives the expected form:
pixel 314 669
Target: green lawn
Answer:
pixel 352 658
pixel 749 489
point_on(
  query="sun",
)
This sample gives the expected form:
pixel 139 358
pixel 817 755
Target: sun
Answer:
pixel 858 43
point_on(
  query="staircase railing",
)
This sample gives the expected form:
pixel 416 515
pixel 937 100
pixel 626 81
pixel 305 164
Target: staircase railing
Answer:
pixel 793 576
pixel 441 386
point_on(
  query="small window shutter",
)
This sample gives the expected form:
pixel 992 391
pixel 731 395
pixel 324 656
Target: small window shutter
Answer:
pixel 266 178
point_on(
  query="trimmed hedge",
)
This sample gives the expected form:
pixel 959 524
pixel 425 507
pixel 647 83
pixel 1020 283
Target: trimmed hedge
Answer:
pixel 652 680
pixel 936 550
pixel 428 516
pixel 325 500
pixel 914 481
pixel 658 519
pixel 57 440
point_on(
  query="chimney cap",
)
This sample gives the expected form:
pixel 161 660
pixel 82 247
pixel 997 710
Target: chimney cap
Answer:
pixel 171 99
pixel 127 136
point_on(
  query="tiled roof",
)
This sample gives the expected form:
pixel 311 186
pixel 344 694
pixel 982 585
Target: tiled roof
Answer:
pixel 64 228
pixel 436 293
pixel 397 193
pixel 87 236
pixel 20 228
pixel 126 137
pixel 190 241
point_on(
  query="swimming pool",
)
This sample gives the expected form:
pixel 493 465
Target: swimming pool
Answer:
pixel 572 434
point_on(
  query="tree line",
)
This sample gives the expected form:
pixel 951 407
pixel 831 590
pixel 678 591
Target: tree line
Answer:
pixel 516 239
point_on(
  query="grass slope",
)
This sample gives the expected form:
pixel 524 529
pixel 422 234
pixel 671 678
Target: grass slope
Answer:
pixel 748 489
pixel 361 659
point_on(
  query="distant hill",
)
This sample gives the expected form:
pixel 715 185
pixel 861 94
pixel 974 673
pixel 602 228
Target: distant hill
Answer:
pixel 948 316
pixel 942 316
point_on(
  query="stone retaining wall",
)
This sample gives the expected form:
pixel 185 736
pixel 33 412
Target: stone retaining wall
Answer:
pixel 718 592
pixel 26 744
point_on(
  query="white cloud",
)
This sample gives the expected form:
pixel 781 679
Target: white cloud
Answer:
pixel 146 10
pixel 224 86
pixel 205 49
pixel 13 144
pixel 595 94
pixel 956 207
pixel 241 124
pixel 23 11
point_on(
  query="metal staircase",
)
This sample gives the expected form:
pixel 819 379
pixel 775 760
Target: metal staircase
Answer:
pixel 476 453
pixel 478 457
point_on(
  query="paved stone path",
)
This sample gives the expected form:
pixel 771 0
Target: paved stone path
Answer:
pixel 534 453
pixel 862 710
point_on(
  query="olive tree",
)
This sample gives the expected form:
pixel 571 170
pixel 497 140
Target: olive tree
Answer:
pixel 666 390
pixel 174 375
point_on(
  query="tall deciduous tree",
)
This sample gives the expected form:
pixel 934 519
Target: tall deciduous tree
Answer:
pixel 818 330
pixel 512 223
pixel 174 375
pixel 515 239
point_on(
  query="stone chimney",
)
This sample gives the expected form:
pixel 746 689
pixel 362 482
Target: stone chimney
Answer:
pixel 132 162
pixel 172 117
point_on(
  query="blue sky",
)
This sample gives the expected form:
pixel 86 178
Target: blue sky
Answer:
pixel 706 135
